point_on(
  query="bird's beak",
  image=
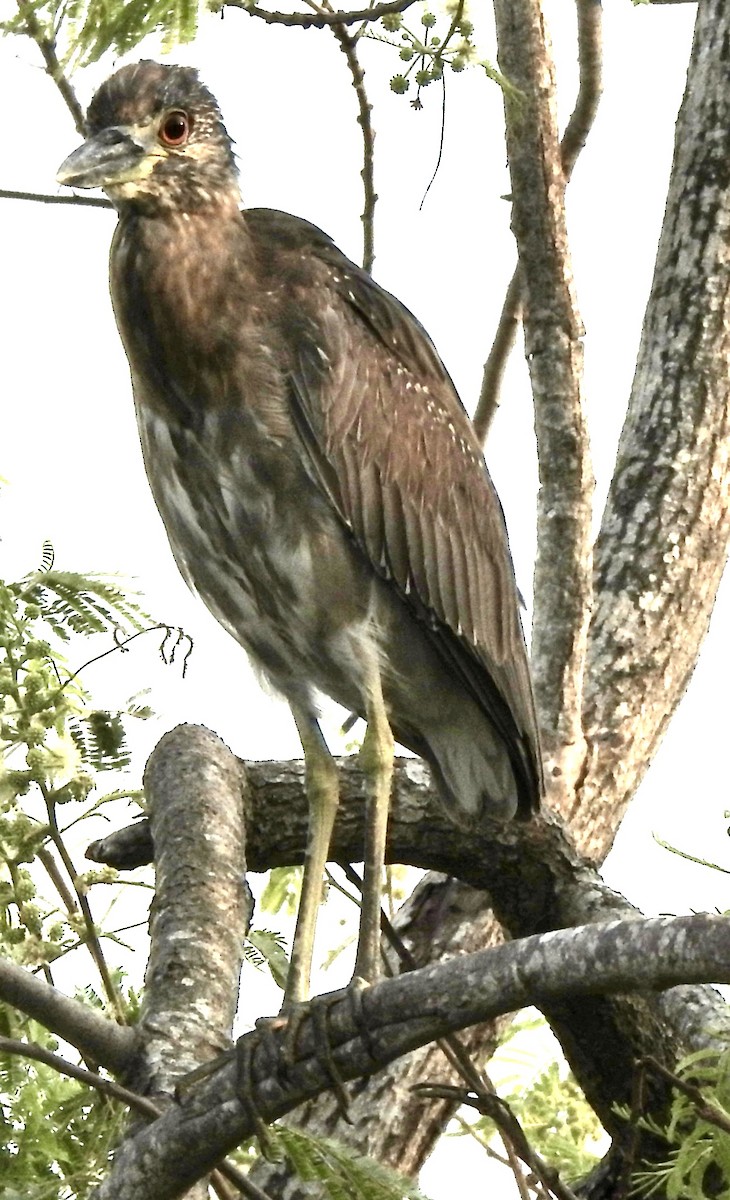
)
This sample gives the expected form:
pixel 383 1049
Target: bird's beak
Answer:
pixel 109 157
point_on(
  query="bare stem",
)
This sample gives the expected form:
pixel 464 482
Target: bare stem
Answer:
pixel 348 45
pixel 92 937
pixel 320 19
pixel 47 47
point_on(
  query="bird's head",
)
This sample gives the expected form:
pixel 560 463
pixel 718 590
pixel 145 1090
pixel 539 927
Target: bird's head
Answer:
pixel 156 141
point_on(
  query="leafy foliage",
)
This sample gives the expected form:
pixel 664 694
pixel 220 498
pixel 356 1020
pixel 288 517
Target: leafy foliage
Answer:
pixel 698 1164
pixel 55 1135
pixel 559 1122
pixel 267 947
pixel 53 742
pixel 88 28
pixel 339 1172
pixel 551 1108
pixel 282 890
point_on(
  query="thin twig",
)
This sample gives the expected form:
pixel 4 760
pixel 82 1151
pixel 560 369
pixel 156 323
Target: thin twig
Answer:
pixel 492 1106
pixel 47 47
pixel 108 1087
pixel 41 198
pixel 47 860
pixel 494 367
pixel 450 1045
pixel 703 862
pixel 94 944
pixel 706 1110
pixel 320 20
pixel 348 45
pixel 590 59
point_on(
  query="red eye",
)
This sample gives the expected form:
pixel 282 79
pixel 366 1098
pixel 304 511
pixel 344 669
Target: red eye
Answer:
pixel 174 129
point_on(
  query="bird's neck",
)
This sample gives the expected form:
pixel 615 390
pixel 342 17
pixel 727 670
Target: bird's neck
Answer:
pixel 182 266
pixel 187 297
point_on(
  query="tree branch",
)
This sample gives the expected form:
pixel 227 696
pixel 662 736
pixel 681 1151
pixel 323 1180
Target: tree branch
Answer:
pixel 201 911
pixel 590 89
pixel 442 919
pixel 666 526
pixel 536 881
pixel 401 1014
pixel 94 1036
pixel 553 332
pixel 348 45
pixel 321 19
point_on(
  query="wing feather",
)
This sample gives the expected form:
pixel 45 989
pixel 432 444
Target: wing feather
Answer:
pixel 391 445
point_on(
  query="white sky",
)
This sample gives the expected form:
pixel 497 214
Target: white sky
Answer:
pixel 69 445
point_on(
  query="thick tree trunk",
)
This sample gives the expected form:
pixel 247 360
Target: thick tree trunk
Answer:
pixel 665 530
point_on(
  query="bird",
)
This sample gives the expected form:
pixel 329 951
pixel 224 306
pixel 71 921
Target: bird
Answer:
pixel 320 482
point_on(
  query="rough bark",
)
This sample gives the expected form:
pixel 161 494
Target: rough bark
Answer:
pixel 553 331
pixel 200 911
pixel 537 882
pixel 664 535
pixel 397 1015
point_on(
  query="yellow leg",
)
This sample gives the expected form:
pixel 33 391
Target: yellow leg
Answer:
pixel 376 758
pixel 323 798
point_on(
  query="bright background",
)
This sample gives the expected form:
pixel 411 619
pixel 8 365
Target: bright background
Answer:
pixel 69 446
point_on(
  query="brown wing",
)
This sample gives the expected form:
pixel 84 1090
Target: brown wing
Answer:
pixel 389 441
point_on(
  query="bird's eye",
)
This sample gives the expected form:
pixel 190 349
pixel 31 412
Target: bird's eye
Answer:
pixel 174 129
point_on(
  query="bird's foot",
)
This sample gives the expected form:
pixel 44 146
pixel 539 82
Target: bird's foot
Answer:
pixel 244 1050
pixel 185 1082
pixel 318 1010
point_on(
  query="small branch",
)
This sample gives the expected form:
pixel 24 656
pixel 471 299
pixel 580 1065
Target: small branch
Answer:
pixel 140 1104
pixel 706 1111
pixel 348 45
pixel 320 19
pixel 92 937
pixel 41 198
pixel 95 1037
pixel 53 871
pixel 554 351
pixel 494 367
pixel 108 1087
pixel 590 87
pixel 47 47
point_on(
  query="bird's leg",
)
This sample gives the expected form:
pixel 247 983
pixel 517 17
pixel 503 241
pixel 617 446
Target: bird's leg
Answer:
pixel 323 798
pixel 376 759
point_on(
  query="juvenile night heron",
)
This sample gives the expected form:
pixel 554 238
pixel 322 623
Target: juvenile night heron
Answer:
pixel 320 483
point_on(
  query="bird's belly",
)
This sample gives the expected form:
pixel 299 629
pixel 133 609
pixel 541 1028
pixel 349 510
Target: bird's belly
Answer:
pixel 279 573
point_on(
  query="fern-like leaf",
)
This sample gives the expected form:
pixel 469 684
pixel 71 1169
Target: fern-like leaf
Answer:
pixel 74 603
pixel 265 946
pixel 96 26
pixel 339 1172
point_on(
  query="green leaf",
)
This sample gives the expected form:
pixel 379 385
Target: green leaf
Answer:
pixel 340 1173
pixel 282 890
pixel 269 947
